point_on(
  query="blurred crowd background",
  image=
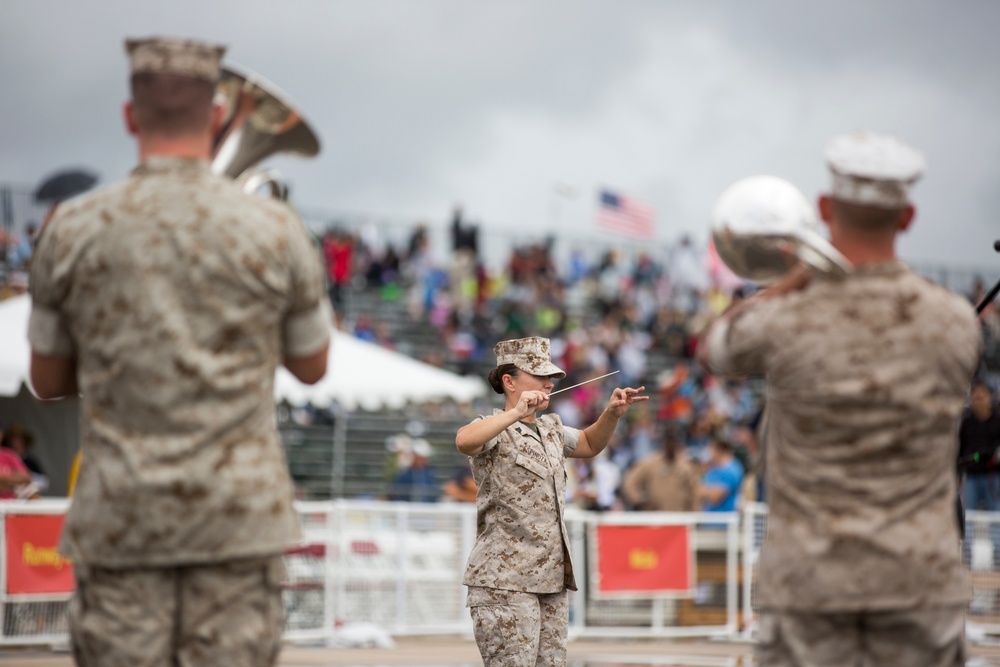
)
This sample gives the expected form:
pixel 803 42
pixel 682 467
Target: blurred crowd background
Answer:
pixel 445 293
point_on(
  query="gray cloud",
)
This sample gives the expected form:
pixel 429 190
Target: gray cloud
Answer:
pixel 420 104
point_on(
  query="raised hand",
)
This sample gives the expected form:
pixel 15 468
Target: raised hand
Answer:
pixel 622 399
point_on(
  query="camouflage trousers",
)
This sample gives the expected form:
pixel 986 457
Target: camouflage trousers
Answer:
pixel 926 637
pixel 218 614
pixel 515 629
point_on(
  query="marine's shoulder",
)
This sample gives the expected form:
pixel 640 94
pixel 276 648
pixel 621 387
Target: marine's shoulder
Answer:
pixel 89 208
pixel 276 216
pixel 550 419
pixel 937 295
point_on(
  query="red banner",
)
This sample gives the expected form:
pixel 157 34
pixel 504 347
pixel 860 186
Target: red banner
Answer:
pixel 34 564
pixel 644 561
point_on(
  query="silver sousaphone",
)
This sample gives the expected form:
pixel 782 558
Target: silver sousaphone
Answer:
pixel 763 226
pixel 258 121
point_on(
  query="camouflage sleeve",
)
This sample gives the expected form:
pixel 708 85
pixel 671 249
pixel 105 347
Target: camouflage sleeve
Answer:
pixel 493 442
pixel 571 440
pixel 739 345
pixel 48 332
pixel 307 323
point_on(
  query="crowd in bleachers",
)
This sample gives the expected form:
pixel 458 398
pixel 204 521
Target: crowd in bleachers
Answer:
pixel 640 315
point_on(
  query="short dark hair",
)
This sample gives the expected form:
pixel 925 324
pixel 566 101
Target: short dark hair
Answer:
pixel 722 442
pixel 171 105
pixel 979 382
pixel 871 218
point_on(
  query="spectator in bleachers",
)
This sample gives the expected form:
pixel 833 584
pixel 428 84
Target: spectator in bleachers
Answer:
pixel 374 331
pixel 676 395
pixel 579 267
pixel 417 482
pixel 418 272
pixel 665 481
pixel 642 436
pixel 598 481
pixel 364 329
pixel 723 479
pixel 612 280
pixel 20 441
pixel 699 435
pixel 338 251
pixel 15 478
pixel 20 252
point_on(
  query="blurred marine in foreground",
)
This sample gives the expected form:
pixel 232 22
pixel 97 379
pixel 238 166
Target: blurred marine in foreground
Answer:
pixel 168 300
pixel 866 374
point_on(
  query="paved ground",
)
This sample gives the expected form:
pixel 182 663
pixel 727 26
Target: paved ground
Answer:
pixel 461 652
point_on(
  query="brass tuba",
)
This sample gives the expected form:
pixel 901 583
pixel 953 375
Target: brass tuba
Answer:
pixel 258 121
pixel 762 226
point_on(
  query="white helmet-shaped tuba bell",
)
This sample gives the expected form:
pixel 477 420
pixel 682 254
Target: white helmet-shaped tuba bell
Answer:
pixel 762 226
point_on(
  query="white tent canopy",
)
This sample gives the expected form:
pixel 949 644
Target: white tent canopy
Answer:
pixel 360 374
pixel 365 375
pixel 15 352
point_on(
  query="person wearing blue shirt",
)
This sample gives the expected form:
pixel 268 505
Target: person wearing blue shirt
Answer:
pixel 417 482
pixel 720 486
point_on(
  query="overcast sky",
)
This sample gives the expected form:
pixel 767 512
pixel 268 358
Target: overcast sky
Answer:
pixel 421 104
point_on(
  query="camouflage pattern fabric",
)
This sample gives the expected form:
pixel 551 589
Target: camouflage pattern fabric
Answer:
pixel 515 629
pixel 866 379
pixel 229 614
pixel 929 638
pixel 160 55
pixel 531 355
pixel 521 542
pixel 179 295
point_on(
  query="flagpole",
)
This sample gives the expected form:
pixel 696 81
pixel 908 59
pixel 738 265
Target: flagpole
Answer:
pixel 560 190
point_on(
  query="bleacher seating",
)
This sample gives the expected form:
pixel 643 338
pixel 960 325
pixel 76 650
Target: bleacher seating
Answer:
pixel 310 451
pixel 366 465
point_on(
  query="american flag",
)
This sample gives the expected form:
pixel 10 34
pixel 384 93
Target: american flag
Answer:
pixel 624 215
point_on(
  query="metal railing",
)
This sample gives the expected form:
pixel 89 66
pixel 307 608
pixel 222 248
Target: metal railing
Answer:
pixel 399 566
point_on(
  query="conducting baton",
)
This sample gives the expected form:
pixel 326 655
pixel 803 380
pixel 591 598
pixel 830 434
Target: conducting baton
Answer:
pixel 584 382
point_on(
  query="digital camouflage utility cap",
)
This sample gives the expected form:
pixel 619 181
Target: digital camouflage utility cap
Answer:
pixel 530 355
pixel 873 169
pixel 168 55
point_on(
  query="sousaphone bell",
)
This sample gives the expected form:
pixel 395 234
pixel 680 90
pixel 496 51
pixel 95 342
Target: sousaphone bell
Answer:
pixel 762 226
pixel 258 121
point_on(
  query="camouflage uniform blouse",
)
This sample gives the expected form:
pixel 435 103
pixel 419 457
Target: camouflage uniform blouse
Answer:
pixel 179 295
pixel 521 542
pixel 866 379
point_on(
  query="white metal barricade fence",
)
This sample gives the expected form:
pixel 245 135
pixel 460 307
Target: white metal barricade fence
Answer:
pixel 31 616
pixel 754 526
pixel 400 565
pixel 710 610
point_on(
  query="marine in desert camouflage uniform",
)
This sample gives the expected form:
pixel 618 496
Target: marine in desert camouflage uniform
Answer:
pixel 169 300
pixel 520 567
pixel 866 374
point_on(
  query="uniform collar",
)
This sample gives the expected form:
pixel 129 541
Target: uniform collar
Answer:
pixel 890 267
pixel 165 163
pixel 526 431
